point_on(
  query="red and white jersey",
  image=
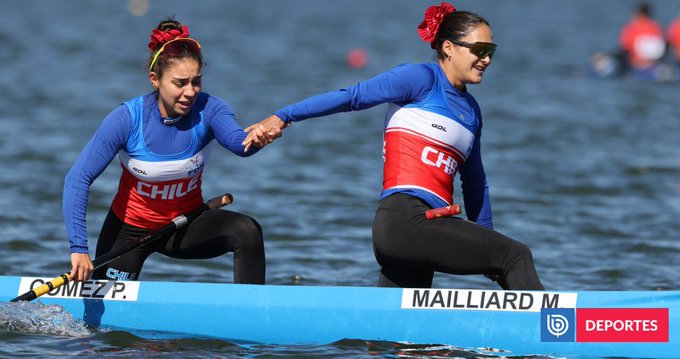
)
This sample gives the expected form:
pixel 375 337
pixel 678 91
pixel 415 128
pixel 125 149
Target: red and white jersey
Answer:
pixel 426 142
pixel 153 189
pixel 150 194
pixel 422 150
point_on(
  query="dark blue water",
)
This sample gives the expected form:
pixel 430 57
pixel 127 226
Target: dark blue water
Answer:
pixel 585 171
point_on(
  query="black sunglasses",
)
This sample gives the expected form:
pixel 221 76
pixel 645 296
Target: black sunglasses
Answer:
pixel 479 49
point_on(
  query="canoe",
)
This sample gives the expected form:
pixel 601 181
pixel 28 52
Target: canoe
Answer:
pixel 557 323
pixel 614 65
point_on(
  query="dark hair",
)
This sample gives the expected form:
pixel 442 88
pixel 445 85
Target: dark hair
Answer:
pixel 644 9
pixel 455 26
pixel 180 50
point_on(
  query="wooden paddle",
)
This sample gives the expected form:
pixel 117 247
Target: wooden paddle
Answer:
pixel 168 229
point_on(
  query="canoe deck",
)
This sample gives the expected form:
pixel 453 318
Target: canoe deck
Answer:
pixel 639 323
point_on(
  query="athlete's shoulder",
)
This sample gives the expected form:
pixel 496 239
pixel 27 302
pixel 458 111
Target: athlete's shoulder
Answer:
pixel 141 105
pixel 118 119
pixel 141 101
pixel 120 110
pixel 409 82
pixel 425 72
pixel 214 110
pixel 206 99
pixel 209 104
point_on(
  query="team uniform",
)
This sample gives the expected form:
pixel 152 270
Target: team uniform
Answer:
pixel 162 164
pixel 643 40
pixel 432 132
pixel 673 37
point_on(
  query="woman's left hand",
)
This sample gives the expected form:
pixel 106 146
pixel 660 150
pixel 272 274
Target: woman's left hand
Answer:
pixel 263 132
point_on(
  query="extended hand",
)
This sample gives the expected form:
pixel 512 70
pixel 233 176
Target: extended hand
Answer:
pixel 264 132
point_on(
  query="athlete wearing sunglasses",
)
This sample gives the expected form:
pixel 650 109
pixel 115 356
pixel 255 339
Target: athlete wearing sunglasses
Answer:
pixel 479 49
pixel 432 132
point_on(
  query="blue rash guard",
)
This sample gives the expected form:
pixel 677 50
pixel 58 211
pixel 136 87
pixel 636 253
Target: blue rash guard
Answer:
pixel 432 131
pixel 158 142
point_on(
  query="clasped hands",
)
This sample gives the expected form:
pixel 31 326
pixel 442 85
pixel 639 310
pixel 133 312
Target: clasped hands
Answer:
pixel 264 132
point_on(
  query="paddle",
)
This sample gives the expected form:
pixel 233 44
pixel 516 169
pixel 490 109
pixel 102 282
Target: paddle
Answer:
pixel 168 229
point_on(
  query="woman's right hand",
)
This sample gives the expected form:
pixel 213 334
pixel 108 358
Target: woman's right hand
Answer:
pixel 81 266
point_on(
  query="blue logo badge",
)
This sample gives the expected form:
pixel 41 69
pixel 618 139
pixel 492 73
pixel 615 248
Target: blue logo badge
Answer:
pixel 558 325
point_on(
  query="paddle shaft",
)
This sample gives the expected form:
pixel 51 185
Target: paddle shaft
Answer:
pixel 166 230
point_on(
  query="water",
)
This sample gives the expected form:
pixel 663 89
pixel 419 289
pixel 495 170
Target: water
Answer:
pixel 586 172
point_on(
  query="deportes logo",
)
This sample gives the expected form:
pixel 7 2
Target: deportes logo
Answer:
pixel 605 325
pixel 557 325
pixel 632 325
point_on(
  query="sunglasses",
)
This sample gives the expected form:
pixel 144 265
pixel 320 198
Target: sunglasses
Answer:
pixel 190 44
pixel 479 49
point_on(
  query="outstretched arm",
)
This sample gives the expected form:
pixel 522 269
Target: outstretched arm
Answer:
pixel 402 84
pixel 228 133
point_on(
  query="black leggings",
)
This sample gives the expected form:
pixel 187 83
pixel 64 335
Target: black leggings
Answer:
pixel 410 248
pixel 213 234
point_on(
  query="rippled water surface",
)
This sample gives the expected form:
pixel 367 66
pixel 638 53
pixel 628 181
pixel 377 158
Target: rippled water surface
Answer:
pixel 585 171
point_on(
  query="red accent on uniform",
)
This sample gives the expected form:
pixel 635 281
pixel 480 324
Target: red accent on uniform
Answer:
pixel 674 38
pixel 404 165
pixel 632 32
pixel 158 203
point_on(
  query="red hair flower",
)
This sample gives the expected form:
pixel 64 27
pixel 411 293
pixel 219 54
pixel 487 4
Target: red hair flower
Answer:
pixel 159 37
pixel 434 15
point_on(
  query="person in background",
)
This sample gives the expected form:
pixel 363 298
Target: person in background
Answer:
pixel 163 140
pixel 432 132
pixel 673 38
pixel 642 38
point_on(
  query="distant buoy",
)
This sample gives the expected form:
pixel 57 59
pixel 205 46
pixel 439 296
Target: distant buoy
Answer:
pixel 357 58
pixel 138 7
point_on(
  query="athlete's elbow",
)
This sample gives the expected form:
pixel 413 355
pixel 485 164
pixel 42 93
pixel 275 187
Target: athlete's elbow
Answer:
pixel 243 153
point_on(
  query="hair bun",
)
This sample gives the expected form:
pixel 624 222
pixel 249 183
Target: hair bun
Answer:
pixel 169 24
pixel 159 37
